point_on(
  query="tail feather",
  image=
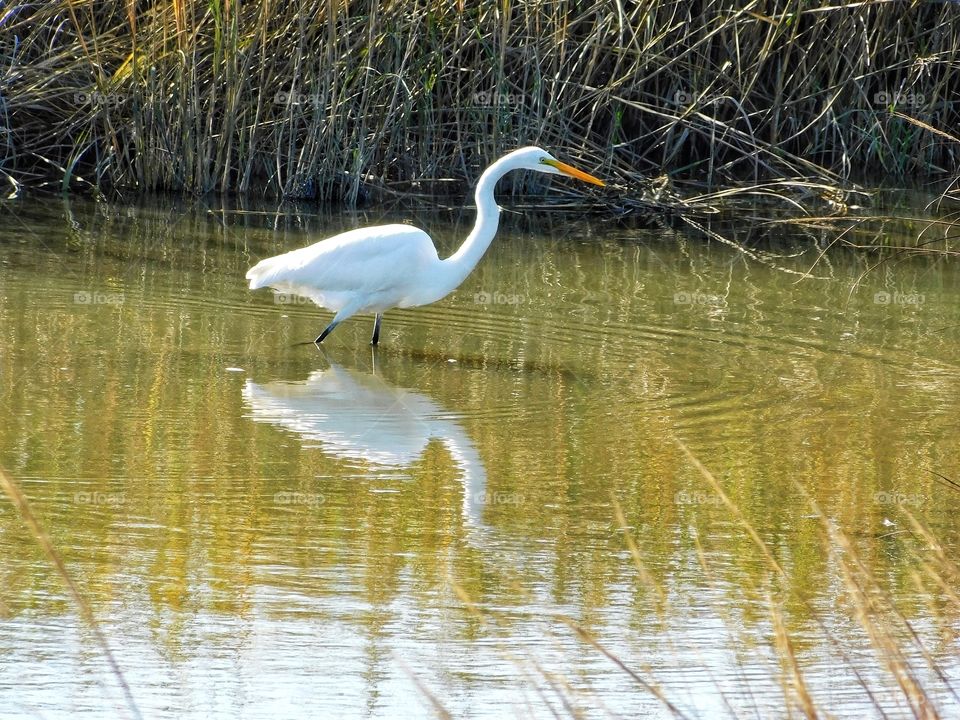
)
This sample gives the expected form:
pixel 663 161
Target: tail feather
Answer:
pixel 263 273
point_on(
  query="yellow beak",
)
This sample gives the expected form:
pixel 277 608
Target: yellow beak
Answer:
pixel 573 172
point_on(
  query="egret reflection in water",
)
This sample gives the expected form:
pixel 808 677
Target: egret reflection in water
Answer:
pixel 357 416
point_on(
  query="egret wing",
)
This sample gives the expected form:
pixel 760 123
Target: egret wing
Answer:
pixel 360 263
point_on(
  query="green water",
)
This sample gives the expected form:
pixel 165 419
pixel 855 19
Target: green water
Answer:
pixel 265 530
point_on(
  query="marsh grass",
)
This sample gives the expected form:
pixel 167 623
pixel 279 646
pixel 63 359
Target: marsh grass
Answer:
pixel 344 102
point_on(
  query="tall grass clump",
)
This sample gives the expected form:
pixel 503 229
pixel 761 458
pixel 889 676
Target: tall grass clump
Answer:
pixel 336 100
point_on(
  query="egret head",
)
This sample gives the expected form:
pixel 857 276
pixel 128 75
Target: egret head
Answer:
pixel 534 158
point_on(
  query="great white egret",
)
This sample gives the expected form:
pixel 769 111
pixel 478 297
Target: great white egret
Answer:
pixel 370 270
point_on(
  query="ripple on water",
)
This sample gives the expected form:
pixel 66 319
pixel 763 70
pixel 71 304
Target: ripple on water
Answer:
pixel 259 559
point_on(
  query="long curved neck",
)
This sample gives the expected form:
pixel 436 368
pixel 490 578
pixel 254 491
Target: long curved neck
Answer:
pixel 462 262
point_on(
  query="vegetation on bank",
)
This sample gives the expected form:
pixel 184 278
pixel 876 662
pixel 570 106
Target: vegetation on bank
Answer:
pixel 342 101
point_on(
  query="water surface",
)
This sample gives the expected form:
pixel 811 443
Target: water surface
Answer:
pixel 267 530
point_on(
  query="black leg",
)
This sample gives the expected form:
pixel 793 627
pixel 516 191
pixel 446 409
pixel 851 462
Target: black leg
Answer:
pixel 376 329
pixel 326 332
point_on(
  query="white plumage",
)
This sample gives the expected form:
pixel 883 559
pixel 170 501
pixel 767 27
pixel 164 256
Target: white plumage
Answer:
pixel 387 266
pixel 367 268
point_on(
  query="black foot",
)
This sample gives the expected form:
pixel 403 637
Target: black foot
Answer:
pixel 326 332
